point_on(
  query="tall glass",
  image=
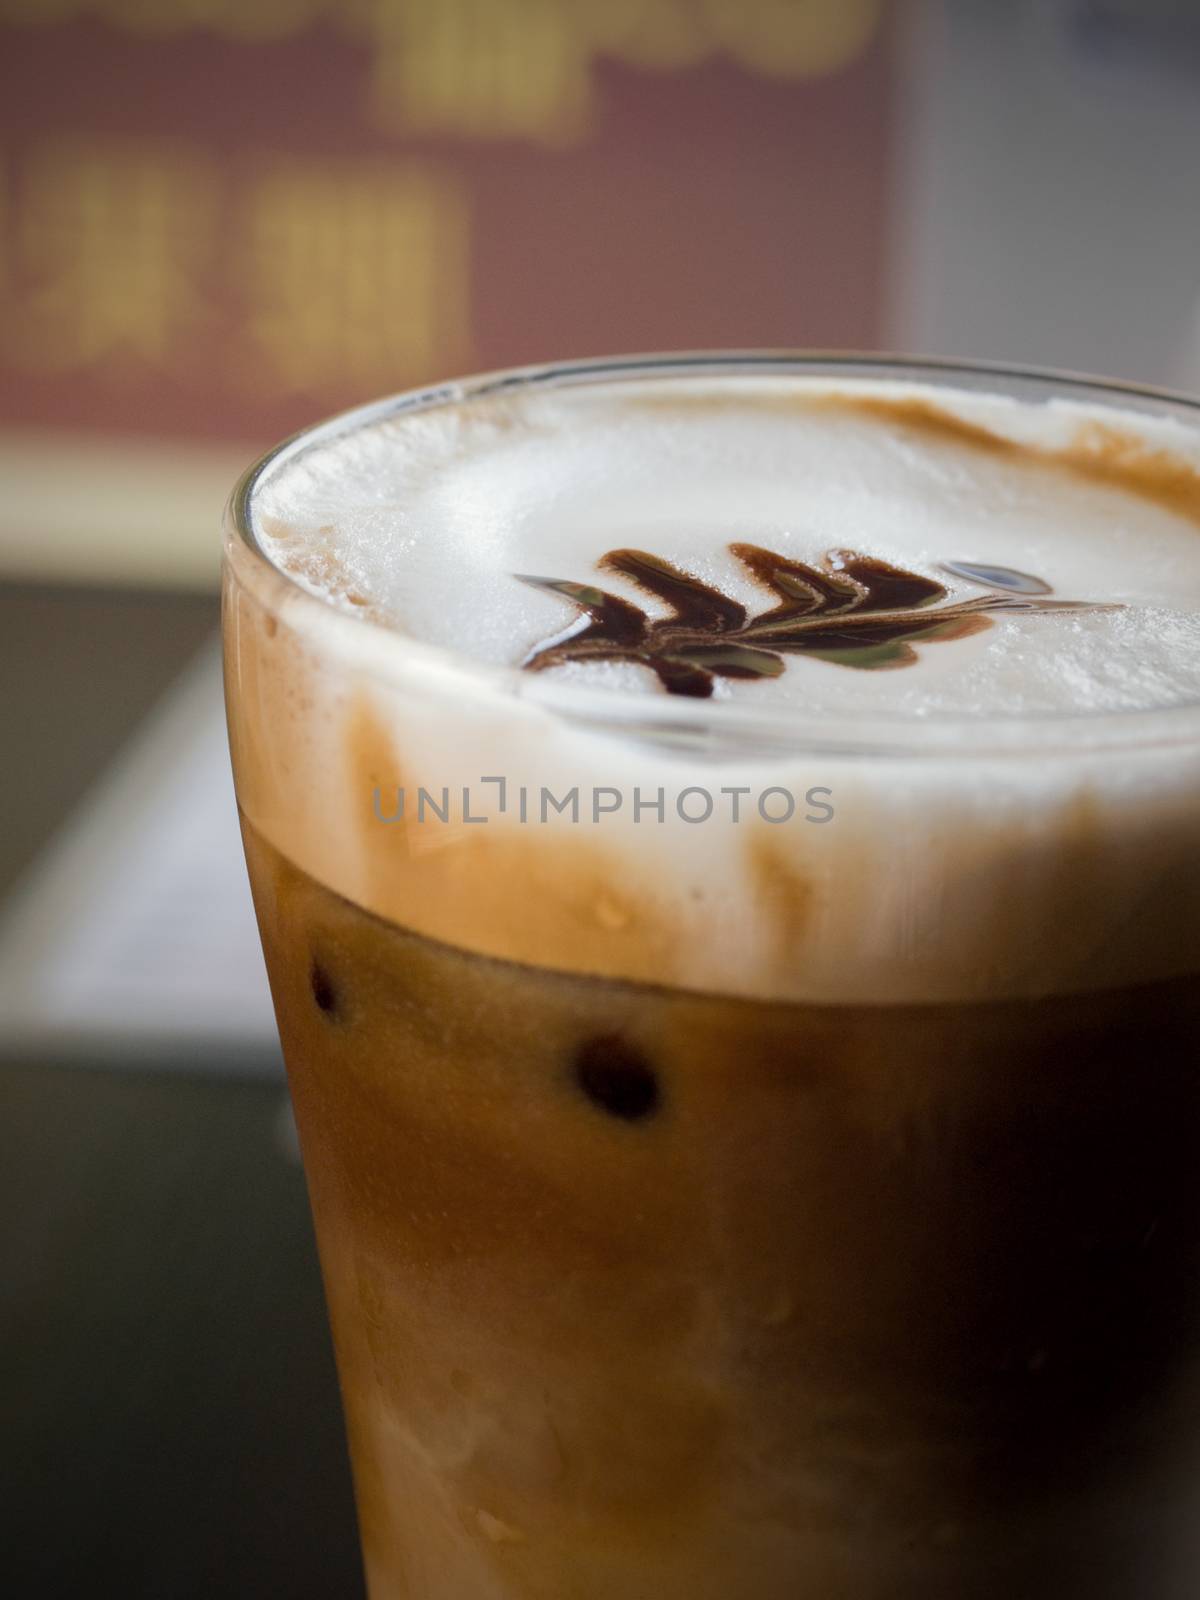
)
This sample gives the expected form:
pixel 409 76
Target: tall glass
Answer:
pixel 661 1262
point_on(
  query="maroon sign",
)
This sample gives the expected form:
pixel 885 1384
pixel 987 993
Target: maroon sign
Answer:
pixel 220 219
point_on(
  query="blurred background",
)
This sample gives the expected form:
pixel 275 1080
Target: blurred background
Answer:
pixel 223 219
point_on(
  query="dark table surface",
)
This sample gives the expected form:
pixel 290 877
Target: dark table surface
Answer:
pixel 168 1405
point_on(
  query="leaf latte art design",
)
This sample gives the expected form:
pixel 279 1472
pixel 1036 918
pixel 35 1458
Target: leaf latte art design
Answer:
pixel 850 609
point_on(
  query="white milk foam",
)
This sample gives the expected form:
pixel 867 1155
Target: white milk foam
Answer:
pixel 970 875
pixel 429 518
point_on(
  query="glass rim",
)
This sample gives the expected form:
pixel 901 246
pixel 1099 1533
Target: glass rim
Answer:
pixel 722 726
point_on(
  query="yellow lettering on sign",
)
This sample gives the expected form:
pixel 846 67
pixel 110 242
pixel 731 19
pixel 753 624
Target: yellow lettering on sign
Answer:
pixel 503 69
pixel 109 243
pixel 356 276
pixel 794 38
pixel 478 68
pixel 658 35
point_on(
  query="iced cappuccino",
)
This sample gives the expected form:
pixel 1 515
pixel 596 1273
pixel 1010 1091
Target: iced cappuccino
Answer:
pixel 726 840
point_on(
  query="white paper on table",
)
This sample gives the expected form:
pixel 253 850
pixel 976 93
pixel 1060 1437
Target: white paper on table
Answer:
pixel 134 932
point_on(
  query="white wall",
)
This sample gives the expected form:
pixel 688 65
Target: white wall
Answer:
pixel 1047 205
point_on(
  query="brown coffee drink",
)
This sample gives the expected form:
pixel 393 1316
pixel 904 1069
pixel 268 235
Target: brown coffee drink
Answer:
pixel 724 836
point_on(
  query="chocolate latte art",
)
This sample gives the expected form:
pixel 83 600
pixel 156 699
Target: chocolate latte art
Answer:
pixel 849 609
pixel 747 1210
